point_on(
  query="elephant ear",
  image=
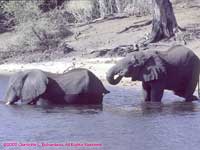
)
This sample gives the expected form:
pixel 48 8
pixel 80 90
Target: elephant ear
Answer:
pixel 154 68
pixel 34 85
pixel 16 82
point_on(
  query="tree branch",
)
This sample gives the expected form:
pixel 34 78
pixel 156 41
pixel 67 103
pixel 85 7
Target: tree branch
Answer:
pixel 136 26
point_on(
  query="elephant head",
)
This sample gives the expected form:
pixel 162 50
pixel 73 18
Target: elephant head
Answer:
pixel 141 66
pixel 26 86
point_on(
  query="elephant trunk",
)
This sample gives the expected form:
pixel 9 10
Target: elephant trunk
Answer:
pixel 11 102
pixel 11 97
pixel 110 76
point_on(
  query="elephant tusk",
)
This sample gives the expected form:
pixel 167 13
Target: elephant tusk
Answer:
pixel 8 103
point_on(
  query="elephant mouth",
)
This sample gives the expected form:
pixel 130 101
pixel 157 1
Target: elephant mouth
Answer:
pixel 118 76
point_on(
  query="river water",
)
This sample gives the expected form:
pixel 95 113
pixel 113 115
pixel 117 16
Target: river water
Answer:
pixel 124 122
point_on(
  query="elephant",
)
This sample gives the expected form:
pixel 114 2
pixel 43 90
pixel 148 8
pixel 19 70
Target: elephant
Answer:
pixel 77 86
pixel 176 69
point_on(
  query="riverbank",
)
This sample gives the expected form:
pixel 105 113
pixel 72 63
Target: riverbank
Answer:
pixel 99 66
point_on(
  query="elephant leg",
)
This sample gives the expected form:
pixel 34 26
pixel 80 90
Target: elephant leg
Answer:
pixel 33 102
pixel 98 99
pixel 181 93
pixel 191 86
pixel 72 99
pixel 146 91
pixel 84 99
pixel 157 90
pixel 91 98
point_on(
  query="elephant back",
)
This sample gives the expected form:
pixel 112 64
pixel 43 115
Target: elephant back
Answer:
pixel 181 56
pixel 79 81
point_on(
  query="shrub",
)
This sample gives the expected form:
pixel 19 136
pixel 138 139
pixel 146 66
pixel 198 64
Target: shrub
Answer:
pixel 37 30
pixel 23 11
pixel 83 11
pixel 6 19
pixel 138 7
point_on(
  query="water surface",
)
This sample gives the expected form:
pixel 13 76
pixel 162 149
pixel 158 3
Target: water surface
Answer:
pixel 124 122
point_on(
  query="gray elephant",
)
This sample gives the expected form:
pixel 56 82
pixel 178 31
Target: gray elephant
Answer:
pixel 78 86
pixel 176 69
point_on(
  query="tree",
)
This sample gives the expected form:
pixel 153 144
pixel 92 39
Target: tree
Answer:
pixel 164 22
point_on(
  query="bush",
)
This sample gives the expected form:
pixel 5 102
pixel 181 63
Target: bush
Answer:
pixel 37 30
pixel 49 32
pixel 138 8
pixel 6 19
pixel 23 11
pixel 83 11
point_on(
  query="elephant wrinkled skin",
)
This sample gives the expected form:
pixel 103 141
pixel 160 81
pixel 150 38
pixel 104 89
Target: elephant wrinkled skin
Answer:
pixel 176 69
pixel 78 86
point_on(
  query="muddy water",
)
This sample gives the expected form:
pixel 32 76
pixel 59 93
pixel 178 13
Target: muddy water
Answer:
pixel 123 123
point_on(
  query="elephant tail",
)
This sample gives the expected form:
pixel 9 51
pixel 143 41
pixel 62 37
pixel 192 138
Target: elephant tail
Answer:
pixel 106 91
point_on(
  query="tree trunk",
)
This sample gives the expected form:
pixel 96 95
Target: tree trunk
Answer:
pixel 164 22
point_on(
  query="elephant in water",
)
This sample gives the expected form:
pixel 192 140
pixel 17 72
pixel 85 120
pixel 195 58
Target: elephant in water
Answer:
pixel 78 86
pixel 176 69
